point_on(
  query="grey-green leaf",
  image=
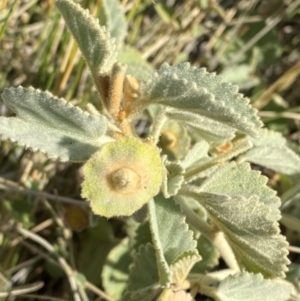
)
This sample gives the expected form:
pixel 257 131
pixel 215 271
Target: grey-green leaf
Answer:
pixel 252 287
pixel 239 180
pixel 143 276
pixel 169 250
pixel 114 19
pixel 196 157
pixel 52 125
pixel 174 178
pixel 115 270
pixel 137 65
pixel 95 43
pixel 213 131
pixel 200 93
pixel 241 204
pixel 251 231
pixel 271 150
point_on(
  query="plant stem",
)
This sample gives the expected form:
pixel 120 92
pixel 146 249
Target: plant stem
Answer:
pixel 238 148
pixel 116 90
pixel 194 220
pixel 69 272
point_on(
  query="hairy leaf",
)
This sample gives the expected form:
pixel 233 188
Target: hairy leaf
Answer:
pixel 209 253
pixel 171 243
pixel 181 269
pixel 241 75
pixel 142 235
pixel 114 19
pixel 173 179
pixel 271 150
pixel 251 287
pixel 196 157
pixel 115 270
pixel 143 276
pixel 137 65
pixel 203 127
pixel 241 204
pixel 239 180
pixel 95 43
pixel 97 242
pixel 251 231
pixel 201 93
pixel 52 125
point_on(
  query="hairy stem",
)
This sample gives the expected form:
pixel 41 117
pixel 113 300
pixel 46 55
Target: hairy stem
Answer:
pixel 238 148
pixel 116 90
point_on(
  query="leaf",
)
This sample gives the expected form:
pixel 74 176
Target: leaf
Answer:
pixel 114 19
pixel 137 65
pixel 181 269
pixel 246 210
pixel 251 287
pixel 214 132
pixel 196 157
pixel 171 243
pixel 209 254
pixel 197 153
pixel 52 125
pixel 293 275
pixel 200 93
pixel 174 178
pixel 239 180
pixel 95 43
pixel 251 231
pixel 270 150
pixel 97 243
pixel 142 235
pixel 143 276
pixel 115 270
pixel 241 75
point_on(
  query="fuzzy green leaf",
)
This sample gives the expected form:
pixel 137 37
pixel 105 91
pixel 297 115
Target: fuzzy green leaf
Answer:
pixel 239 180
pixel 173 179
pixel 52 125
pixel 241 75
pixel 196 157
pixel 252 287
pixel 142 235
pixel 171 243
pixel 114 19
pixel 94 41
pixel 241 205
pixel 143 276
pixel 137 65
pixel 200 93
pixel 209 253
pixel 270 150
pixel 115 270
pixel 214 132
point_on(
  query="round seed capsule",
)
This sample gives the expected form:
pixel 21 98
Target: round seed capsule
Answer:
pixel 122 176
